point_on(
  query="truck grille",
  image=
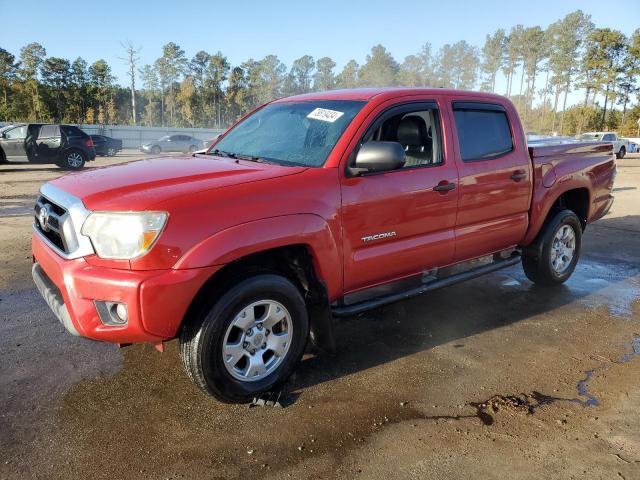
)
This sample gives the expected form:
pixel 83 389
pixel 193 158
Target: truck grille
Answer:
pixel 49 222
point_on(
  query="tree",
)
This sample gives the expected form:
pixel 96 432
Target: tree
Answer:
pixel 31 57
pixel 605 54
pixel 170 67
pixel 348 77
pixel 186 98
pixel 534 53
pixel 513 55
pixel 56 74
pixel 236 94
pixel 410 73
pixel 151 83
pixel 300 76
pixel 380 69
pixel 324 79
pixel 8 69
pixel 631 72
pixel 492 54
pixel 271 72
pixel 216 74
pixel 567 37
pixel 132 58
pixel 101 81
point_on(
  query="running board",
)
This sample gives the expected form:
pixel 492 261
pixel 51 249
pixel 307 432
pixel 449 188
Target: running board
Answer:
pixel 346 310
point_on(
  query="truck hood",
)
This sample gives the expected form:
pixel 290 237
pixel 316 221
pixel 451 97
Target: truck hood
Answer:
pixel 141 184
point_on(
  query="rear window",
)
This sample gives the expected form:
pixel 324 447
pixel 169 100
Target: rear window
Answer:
pixel 483 134
pixel 72 131
pixel 49 131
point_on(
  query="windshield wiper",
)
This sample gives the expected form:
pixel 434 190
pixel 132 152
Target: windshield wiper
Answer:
pixel 221 153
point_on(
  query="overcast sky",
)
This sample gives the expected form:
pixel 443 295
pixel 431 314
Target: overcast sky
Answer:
pixel 241 29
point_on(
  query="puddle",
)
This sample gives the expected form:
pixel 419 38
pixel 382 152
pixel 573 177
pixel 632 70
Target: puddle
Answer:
pixel 591 401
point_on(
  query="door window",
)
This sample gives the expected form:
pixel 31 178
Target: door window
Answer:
pixel 16 133
pixel 483 133
pixel 49 131
pixel 418 131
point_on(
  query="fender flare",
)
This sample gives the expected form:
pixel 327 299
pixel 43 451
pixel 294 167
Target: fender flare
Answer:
pixel 539 218
pixel 257 236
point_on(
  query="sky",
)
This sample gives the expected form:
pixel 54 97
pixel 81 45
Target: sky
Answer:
pixel 242 29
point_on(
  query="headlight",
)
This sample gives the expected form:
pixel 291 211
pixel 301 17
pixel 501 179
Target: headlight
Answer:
pixel 123 235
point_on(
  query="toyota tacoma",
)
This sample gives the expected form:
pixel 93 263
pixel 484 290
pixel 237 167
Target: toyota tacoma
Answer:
pixel 308 209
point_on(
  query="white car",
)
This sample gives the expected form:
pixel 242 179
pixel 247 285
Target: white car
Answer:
pixel 620 146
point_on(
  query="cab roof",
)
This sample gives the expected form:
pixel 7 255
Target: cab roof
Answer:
pixel 366 94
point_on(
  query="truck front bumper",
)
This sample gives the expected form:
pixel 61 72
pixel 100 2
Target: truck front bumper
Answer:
pixel 156 300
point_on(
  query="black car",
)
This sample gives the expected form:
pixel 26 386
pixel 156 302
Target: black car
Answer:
pixel 104 145
pixel 65 145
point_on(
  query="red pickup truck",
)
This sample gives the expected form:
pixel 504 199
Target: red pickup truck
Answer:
pixel 310 208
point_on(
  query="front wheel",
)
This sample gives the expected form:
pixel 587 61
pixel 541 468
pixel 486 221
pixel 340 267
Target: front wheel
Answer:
pixel 249 341
pixel 621 153
pixel 72 160
pixel 555 252
pixel 111 152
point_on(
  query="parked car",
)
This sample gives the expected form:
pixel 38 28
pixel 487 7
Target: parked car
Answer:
pixel 173 143
pixel 313 207
pixel 620 145
pixel 65 145
pixel 106 146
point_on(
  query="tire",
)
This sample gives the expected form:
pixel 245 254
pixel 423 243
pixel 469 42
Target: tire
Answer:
pixel 555 253
pixel 156 149
pixel 621 153
pixel 3 158
pixel 221 347
pixel 192 148
pixel 111 152
pixel 73 160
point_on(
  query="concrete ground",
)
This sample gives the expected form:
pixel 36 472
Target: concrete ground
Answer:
pixel 493 378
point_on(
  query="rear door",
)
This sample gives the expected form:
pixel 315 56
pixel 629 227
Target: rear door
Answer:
pixel 48 143
pixel 495 177
pixel 401 222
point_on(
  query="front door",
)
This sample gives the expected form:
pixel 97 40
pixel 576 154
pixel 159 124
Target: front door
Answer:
pixel 401 222
pixel 13 143
pixel 495 178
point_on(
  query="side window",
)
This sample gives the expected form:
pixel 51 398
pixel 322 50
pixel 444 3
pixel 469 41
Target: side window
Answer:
pixel 49 131
pixel 483 134
pixel 417 131
pixel 16 133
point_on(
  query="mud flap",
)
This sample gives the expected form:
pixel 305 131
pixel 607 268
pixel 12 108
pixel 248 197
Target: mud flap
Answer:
pixel 322 331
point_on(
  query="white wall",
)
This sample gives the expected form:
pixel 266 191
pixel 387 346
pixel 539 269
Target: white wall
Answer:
pixel 133 137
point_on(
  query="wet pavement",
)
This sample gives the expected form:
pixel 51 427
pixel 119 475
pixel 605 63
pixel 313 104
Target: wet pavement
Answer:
pixel 493 378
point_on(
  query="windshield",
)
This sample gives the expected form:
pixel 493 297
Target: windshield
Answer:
pixel 291 133
pixel 590 136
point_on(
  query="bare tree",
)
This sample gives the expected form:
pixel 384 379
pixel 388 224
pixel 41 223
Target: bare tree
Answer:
pixel 132 60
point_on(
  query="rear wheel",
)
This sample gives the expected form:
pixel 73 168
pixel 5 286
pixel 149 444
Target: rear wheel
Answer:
pixel 557 250
pixel 249 341
pixel 73 160
pixel 622 152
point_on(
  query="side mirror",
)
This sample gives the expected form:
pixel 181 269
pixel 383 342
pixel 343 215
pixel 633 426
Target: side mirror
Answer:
pixel 378 157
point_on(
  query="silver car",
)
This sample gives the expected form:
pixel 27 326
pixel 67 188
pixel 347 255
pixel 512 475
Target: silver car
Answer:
pixel 173 143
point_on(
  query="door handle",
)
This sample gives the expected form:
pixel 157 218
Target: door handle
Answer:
pixel 444 187
pixel 518 175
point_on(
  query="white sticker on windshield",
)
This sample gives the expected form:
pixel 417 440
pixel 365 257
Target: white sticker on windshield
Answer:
pixel 325 115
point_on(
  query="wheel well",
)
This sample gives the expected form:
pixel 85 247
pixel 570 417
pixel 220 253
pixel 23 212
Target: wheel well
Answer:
pixel 294 262
pixel 577 201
